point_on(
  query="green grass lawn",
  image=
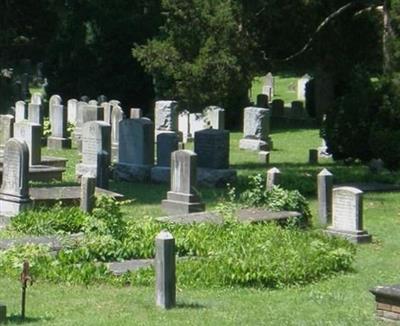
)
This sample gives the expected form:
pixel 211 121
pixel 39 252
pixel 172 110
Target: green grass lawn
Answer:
pixel 340 300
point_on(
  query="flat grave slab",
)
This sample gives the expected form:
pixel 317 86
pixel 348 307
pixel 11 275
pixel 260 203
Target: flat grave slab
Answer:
pixel 58 162
pixel 245 215
pixel 42 173
pixel 387 299
pixel 120 268
pixel 67 195
pixel 371 186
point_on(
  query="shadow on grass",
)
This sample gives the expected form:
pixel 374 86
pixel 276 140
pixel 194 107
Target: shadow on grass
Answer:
pixel 17 319
pixel 189 305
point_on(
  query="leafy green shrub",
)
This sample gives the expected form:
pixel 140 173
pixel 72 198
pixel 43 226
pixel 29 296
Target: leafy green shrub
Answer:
pixel 42 221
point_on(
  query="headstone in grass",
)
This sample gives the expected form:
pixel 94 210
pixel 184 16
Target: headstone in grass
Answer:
pixel 347 215
pixel 14 191
pixel 96 150
pixel 268 86
pixel 212 149
pixel 165 117
pixel 301 87
pixel 262 101
pixel 135 113
pixel 35 113
pixel 256 128
pixel 6 129
pixel 93 102
pixel 54 100
pixel 21 112
pixel 325 186
pixel 36 98
pixel 106 108
pixel 165 270
pixel 196 123
pixel 88 188
pixel 77 133
pixel 117 115
pixel 167 143
pixel 58 122
pixel 87 113
pixel 183 125
pixel 313 156
pixel 31 134
pixel 278 108
pixel 297 110
pixel 273 178
pixel 214 117
pixel 136 150
pixel 72 108
pixel 182 198
pixel 263 157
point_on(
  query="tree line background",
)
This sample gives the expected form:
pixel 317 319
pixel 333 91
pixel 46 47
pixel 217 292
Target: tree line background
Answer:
pixel 207 52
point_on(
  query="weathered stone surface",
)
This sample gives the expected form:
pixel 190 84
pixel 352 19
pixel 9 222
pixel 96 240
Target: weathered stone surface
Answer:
pixel 31 133
pixel 183 125
pixel 135 113
pixel 6 129
pixel 167 142
pixel 132 172
pixel 325 186
pixel 273 178
pixel 14 191
pixel 263 157
pixel 58 139
pixel 196 123
pixel 54 100
pixel 21 112
pixel 166 115
pixel 255 129
pixel 35 113
pixel 215 177
pixel 214 117
pixel 347 215
pixel 72 111
pixel 278 108
pixel 160 174
pixel 212 148
pixel 301 87
pixel 120 268
pixel 88 186
pixel 181 198
pixel 165 270
pixel 117 115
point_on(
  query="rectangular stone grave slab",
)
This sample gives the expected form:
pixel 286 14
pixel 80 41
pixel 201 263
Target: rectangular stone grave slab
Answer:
pixel 387 302
pixel 253 144
pixel 120 268
pixel 58 162
pixel 215 177
pixel 42 173
pixel 132 172
pixel 202 217
pixel 254 215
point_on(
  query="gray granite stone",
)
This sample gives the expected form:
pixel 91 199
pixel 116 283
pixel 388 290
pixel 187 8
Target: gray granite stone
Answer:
pixel 58 139
pixel 167 142
pixel 325 186
pixel 166 116
pixel 14 191
pixel 72 111
pixel 120 268
pixel 117 115
pixel 256 127
pixel 214 117
pixel 88 187
pixel 35 113
pixel 135 113
pixel 31 134
pixel 21 111
pixel 165 270
pixel 263 157
pixel 6 129
pixel 273 178
pixel 347 215
pixel 212 148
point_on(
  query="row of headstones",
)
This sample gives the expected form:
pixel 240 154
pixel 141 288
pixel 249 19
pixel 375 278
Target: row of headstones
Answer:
pixel 268 87
pixel 296 110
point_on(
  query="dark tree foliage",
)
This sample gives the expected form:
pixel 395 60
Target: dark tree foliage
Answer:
pixel 90 53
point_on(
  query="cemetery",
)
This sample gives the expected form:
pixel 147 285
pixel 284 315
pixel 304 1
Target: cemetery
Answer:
pixel 195 181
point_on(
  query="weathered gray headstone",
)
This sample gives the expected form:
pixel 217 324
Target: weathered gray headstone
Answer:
pixel 273 178
pixel 167 142
pixel 268 87
pixel 181 199
pixel 135 113
pixel 165 270
pixel 313 156
pixel 136 150
pixel 31 134
pixel 54 100
pixel 263 157
pixel 212 148
pixel 214 117
pixel 196 123
pixel 35 113
pixel 106 112
pixel 86 113
pixel 117 115
pixel 21 112
pixel 301 87
pixel 58 122
pixel 14 191
pixel 88 188
pixel 183 126
pixel 6 129
pixel 278 108
pixel 325 186
pixel 96 152
pixel 165 116
pixel 347 215
pixel 77 134
pixel 72 108
pixel 255 129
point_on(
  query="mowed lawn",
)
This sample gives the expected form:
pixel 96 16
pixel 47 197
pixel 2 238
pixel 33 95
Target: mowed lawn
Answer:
pixel 341 300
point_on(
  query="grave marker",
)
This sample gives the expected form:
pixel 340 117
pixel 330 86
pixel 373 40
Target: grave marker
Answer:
pixel 273 178
pixel 256 129
pixel 325 186
pixel 58 122
pixel 31 134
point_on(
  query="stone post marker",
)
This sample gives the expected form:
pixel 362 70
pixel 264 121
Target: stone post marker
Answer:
pixel 58 138
pixel 263 157
pixel 72 108
pixel 273 178
pixel 165 270
pixel 117 115
pixel 325 186
pixel 181 199
pixel 214 117
pixel 88 187
pixel 165 117
pixel 313 156
pixel 54 100
pixel 347 215
pixel 6 129
pixel 21 112
pixel 3 313
pixel 14 191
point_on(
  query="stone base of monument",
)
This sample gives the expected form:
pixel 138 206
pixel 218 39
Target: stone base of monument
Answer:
pixel 215 177
pixel 11 205
pixel 161 174
pixel 177 203
pixel 355 237
pixel 132 172
pixel 51 161
pixel 387 302
pixel 42 173
pixel 254 144
pixel 56 143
